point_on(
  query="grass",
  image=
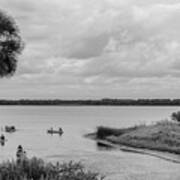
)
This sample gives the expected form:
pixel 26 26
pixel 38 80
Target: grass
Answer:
pixel 37 169
pixel 162 136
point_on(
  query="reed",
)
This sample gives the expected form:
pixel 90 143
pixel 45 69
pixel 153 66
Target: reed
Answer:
pixel 37 169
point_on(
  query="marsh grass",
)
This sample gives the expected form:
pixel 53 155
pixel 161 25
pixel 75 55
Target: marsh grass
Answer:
pixel 37 169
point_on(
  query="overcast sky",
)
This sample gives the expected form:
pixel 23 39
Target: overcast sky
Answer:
pixel 95 49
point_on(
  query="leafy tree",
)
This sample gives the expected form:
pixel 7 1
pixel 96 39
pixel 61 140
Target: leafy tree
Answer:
pixel 176 116
pixel 10 45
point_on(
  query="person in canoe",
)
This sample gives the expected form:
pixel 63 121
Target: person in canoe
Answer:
pixel 60 130
pixel 10 129
pixel 2 139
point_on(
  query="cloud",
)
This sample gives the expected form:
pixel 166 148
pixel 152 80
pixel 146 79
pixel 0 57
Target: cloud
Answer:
pixel 91 45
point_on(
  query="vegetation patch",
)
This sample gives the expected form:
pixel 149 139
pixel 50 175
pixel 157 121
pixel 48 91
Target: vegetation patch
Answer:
pixel 37 169
pixel 162 136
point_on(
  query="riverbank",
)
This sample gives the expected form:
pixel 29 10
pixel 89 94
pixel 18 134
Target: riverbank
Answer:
pixel 161 139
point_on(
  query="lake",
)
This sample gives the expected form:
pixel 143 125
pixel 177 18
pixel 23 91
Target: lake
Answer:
pixel 33 121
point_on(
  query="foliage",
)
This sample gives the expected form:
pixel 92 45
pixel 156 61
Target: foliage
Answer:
pixel 103 132
pixel 10 45
pixel 176 116
pixel 37 169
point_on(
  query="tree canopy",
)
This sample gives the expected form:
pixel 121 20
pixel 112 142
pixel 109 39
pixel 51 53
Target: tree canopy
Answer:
pixel 11 45
pixel 176 116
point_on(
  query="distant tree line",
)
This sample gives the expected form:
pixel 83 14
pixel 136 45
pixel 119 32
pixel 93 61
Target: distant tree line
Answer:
pixel 104 102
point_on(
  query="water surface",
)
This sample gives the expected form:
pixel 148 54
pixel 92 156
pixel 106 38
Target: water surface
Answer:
pixel 33 121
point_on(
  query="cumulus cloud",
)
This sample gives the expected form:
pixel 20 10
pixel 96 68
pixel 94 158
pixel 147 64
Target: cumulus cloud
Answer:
pixel 80 45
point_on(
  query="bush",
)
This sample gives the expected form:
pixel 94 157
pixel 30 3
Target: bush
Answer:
pixel 37 169
pixel 176 116
pixel 103 132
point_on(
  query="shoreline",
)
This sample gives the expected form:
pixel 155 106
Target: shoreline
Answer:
pixel 164 155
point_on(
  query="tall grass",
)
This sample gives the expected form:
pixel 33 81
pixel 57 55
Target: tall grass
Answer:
pixel 37 169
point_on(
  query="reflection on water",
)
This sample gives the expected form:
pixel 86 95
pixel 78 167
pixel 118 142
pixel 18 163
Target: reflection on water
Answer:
pixel 2 143
pixel 32 123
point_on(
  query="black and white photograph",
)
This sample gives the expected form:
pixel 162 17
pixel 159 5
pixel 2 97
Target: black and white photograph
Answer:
pixel 89 89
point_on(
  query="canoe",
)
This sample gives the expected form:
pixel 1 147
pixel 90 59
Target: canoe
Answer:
pixel 50 131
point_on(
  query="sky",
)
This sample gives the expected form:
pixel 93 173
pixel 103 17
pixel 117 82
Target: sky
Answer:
pixel 82 49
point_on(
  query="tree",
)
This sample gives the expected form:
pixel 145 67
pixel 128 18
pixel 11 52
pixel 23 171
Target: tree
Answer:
pixel 176 116
pixel 11 45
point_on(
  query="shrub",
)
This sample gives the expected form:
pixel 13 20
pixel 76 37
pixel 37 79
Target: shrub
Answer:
pixel 37 169
pixel 176 116
pixel 103 132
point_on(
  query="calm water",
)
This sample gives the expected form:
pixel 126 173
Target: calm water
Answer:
pixel 33 121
